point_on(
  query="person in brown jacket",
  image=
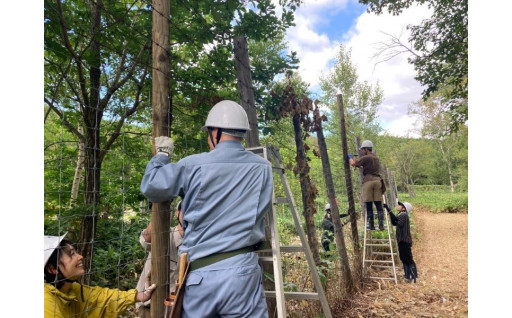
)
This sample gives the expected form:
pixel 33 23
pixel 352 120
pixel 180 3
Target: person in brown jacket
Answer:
pixel 372 183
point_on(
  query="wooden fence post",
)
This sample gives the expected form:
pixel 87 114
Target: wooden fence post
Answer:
pixel 245 89
pixel 160 215
pixel 348 181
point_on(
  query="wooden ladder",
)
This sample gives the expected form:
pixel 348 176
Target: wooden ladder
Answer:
pixel 271 153
pixel 379 254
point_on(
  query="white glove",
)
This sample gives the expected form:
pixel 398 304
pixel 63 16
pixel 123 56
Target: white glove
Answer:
pixel 148 290
pixel 164 145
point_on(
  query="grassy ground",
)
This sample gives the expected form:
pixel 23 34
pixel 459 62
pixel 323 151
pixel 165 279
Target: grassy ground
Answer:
pixel 437 199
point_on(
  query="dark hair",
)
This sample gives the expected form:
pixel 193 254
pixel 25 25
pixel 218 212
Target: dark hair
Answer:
pixel 54 260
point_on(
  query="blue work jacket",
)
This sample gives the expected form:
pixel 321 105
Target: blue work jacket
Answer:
pixel 226 193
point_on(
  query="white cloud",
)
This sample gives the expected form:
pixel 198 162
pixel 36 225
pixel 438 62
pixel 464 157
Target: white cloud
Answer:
pixel 396 76
pixel 404 126
pixel 314 50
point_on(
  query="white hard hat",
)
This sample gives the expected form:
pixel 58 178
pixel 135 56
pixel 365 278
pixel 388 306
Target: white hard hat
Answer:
pixel 407 206
pixel 228 115
pixel 50 244
pixel 327 206
pixel 367 144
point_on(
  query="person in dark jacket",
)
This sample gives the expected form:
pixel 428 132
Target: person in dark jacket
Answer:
pixel 404 239
pixel 328 228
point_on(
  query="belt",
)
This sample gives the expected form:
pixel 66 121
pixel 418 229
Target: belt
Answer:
pixel 214 258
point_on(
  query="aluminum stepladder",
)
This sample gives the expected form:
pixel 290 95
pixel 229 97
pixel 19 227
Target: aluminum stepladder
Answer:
pixel 372 256
pixel 271 153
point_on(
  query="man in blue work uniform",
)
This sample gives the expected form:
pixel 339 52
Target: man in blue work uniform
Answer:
pixel 226 192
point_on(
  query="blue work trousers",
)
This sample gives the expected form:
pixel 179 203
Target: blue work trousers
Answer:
pixel 229 288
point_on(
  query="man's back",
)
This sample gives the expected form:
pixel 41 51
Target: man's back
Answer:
pixel 226 202
pixel 371 166
pixel 226 193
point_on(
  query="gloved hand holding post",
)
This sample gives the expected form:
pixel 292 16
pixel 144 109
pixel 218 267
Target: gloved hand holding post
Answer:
pixel 386 207
pixel 164 145
pixel 148 290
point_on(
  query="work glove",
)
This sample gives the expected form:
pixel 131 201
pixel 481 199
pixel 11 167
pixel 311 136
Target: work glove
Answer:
pixel 350 156
pixel 148 289
pixel 386 207
pixel 164 145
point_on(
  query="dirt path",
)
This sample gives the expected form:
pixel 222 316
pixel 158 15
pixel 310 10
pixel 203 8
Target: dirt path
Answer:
pixel 440 251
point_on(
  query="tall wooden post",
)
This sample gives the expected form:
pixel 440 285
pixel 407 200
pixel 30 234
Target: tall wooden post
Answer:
pixel 160 215
pixel 360 153
pixel 245 89
pixel 394 189
pixel 348 181
pixel 246 97
pixel 331 194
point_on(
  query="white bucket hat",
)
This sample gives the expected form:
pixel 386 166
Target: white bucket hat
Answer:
pixel 50 244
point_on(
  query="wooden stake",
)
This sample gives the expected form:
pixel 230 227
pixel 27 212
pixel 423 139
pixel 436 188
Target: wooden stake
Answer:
pixel 245 89
pixel 160 215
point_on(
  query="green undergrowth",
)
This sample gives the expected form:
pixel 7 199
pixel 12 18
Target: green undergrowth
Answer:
pixel 438 199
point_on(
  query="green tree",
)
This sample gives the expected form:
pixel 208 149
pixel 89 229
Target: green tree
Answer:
pixel 97 69
pixel 436 126
pixel 360 99
pixel 440 49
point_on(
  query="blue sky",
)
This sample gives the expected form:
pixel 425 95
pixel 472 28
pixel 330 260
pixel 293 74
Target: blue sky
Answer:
pixel 322 25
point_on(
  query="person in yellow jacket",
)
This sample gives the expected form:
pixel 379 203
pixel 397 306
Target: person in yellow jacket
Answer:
pixel 65 297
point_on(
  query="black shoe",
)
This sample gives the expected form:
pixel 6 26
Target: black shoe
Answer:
pixel 370 227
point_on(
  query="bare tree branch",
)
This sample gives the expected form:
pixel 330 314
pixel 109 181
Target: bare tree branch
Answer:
pixel 127 113
pixel 118 83
pixel 77 58
pixel 64 121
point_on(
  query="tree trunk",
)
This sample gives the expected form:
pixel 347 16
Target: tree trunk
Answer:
pixel 92 165
pixel 308 199
pixel 331 194
pixel 448 164
pixel 92 114
pixel 245 89
pixel 78 170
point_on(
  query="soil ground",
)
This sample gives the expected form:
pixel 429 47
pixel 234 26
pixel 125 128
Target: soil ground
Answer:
pixel 440 250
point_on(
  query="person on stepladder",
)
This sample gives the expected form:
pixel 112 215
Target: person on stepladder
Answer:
pixel 176 234
pixel 65 297
pixel 226 194
pixel 373 185
pixel 404 239
pixel 328 227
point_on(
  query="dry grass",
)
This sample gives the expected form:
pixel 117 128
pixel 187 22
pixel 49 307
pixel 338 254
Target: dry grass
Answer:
pixel 441 253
